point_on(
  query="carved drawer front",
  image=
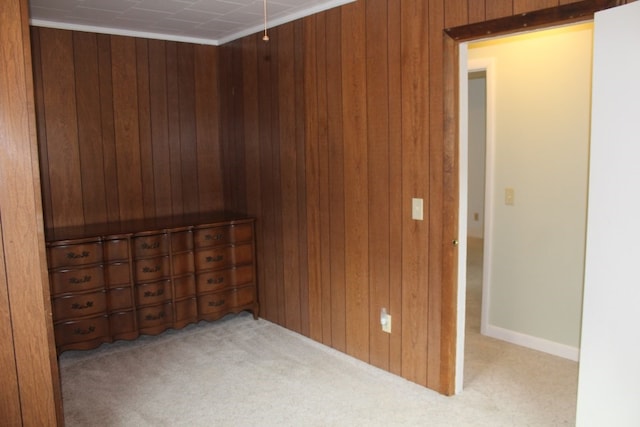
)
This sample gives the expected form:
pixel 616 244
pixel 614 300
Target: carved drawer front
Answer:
pixel 123 323
pixel 77 280
pixel 70 255
pixel 119 299
pixel 73 306
pixel 222 301
pixel 151 245
pixel 213 236
pixel 82 330
pixel 183 263
pixel 225 256
pixel 219 279
pixel 241 233
pixel 152 269
pixel 158 315
pixel 116 249
pixel 186 310
pixel 153 293
pixel 181 241
pixel 184 287
pixel 117 275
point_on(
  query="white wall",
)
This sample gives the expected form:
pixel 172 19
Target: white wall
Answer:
pixel 477 143
pixel 609 381
pixel 542 111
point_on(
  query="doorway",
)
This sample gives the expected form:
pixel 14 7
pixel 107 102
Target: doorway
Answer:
pixel 536 186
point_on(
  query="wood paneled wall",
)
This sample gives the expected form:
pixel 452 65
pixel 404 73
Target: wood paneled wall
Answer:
pixel 29 385
pixel 325 134
pixel 335 125
pixel 128 128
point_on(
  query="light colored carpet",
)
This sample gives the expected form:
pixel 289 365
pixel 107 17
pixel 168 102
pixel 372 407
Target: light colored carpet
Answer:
pixel 243 372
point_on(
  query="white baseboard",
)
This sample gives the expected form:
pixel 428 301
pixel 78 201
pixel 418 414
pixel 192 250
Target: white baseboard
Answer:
pixel 535 343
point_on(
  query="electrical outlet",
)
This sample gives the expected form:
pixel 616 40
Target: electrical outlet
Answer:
pixel 385 321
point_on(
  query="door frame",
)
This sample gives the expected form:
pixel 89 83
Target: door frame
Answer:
pixel 454 37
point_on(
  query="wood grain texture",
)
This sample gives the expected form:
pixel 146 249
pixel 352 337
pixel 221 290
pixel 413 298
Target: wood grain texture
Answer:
pixel 324 134
pixel 378 176
pixel 30 373
pixel 356 186
pixel 127 127
pixel 375 133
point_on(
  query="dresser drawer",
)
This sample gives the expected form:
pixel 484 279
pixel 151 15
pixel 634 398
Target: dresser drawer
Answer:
pixel 74 306
pixel 150 246
pixel 186 310
pixel 117 275
pixel 219 279
pixel 116 249
pixel 152 269
pixel 153 293
pixel 183 263
pixel 123 325
pixel 184 286
pixel 77 280
pixel 82 330
pixel 214 236
pixel 149 317
pixel 225 256
pixel 119 299
pixel 226 300
pixel 71 255
pixel 181 241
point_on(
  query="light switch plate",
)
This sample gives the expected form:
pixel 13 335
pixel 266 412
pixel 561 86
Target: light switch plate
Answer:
pixel 417 211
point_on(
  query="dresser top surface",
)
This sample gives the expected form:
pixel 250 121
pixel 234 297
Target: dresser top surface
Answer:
pixel 145 225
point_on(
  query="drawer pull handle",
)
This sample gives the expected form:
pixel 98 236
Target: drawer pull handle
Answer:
pixel 77 255
pixel 213 236
pixel 216 303
pixel 215 280
pixel 79 331
pixel 146 245
pixel 215 259
pixel 77 306
pixel 149 294
pixel 151 270
pixel 79 280
pixel 157 317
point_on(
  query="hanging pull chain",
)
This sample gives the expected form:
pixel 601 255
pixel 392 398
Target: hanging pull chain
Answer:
pixel 266 36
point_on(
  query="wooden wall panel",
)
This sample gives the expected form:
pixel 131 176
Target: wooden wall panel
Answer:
pixel 364 137
pixel 356 186
pixel 415 184
pixel 395 184
pixel 127 136
pixel 128 128
pixel 325 134
pixel 87 85
pixel 144 128
pixel 61 122
pixel 28 367
pixel 378 175
pixel 498 8
pixel 336 171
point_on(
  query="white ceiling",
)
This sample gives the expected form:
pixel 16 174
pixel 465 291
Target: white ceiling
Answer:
pixel 196 21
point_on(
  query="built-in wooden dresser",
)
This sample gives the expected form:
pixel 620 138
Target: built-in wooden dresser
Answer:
pixel 117 281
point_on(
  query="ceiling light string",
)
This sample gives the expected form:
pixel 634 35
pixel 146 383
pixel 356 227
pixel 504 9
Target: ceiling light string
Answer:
pixel 266 36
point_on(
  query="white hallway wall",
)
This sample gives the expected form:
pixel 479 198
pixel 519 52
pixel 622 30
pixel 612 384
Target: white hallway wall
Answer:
pixel 477 144
pixel 542 90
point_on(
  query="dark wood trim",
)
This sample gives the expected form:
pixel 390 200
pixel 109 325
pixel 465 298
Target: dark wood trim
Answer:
pixel 531 20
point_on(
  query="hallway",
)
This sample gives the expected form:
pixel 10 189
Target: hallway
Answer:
pixel 525 381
